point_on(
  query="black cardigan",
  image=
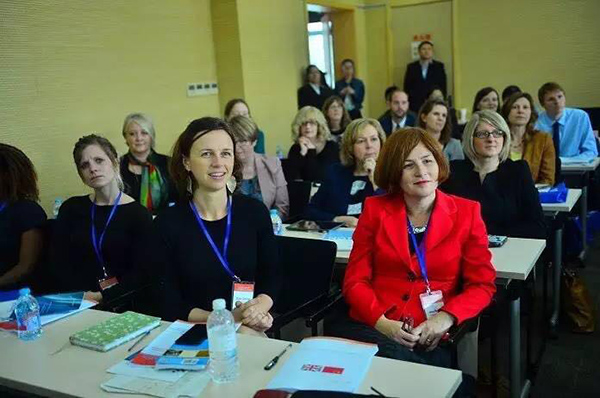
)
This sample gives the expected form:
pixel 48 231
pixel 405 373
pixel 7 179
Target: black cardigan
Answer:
pixel 194 276
pixel 510 203
pixel 132 181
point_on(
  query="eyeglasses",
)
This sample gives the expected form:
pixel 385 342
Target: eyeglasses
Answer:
pixel 486 134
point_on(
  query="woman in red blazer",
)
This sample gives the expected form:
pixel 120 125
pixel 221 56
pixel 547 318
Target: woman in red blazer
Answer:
pixel 386 282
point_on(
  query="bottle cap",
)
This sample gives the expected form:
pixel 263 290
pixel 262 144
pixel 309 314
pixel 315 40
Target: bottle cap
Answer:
pixel 274 212
pixel 24 291
pixel 218 304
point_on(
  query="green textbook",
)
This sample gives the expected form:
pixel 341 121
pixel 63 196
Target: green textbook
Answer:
pixel 115 331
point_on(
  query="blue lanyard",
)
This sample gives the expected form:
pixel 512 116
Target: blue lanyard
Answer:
pixel 2 206
pixel 420 251
pixel 222 256
pixel 98 243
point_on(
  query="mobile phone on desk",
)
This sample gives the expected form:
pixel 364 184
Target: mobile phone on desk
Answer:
pixel 496 240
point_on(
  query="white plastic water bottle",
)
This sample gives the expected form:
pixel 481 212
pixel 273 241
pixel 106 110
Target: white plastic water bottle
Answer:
pixel 56 207
pixel 277 222
pixel 224 366
pixel 279 152
pixel 27 312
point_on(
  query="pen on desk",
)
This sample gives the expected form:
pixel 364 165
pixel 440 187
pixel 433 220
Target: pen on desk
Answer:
pixel 138 341
pixel 377 391
pixel 270 365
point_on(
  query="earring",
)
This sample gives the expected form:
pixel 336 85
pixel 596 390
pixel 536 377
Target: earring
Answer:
pixel 231 184
pixel 189 185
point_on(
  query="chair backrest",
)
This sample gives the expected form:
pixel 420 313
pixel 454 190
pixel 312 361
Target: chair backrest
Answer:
pixel 307 268
pixel 299 194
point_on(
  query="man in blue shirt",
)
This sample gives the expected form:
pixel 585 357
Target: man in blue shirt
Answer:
pixel 570 128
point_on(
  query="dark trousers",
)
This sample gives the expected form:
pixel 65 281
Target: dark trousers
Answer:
pixel 388 348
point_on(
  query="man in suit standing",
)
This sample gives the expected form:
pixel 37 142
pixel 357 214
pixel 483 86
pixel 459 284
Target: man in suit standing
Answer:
pixel 398 116
pixel 423 75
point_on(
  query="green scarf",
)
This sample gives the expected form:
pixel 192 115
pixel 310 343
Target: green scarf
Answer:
pixel 153 188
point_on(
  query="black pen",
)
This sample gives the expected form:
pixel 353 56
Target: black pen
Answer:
pixel 138 341
pixel 377 392
pixel 270 365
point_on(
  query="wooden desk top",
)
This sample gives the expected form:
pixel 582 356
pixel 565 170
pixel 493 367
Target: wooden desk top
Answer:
pixel 78 372
pixel 572 197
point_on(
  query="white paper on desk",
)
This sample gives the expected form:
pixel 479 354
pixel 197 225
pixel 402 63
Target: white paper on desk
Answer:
pixel 7 308
pixel 161 344
pixel 325 364
pixel 124 368
pixel 564 160
pixel 191 385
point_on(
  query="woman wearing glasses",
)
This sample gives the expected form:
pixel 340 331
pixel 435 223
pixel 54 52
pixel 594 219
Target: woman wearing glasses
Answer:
pixel 262 176
pixel 509 201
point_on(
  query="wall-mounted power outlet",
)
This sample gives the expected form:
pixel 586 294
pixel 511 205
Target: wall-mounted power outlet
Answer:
pixel 202 88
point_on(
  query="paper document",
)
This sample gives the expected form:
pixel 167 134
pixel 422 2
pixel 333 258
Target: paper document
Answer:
pixel 190 385
pixel 342 237
pixel 325 364
pixel 161 344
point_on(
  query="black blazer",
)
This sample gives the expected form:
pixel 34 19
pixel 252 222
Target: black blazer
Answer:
pixel 308 96
pixel 418 88
pixel 387 125
pixel 510 204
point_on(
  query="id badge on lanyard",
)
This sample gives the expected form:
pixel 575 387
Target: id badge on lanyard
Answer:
pixel 106 282
pixel 240 291
pixel 431 301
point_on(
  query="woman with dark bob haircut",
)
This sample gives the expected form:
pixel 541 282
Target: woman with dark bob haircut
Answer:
pixel 213 239
pixel 487 98
pixel 21 217
pixel 101 241
pixel 420 261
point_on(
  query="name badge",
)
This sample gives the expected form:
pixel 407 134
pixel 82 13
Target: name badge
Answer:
pixel 241 292
pixel 107 283
pixel 432 302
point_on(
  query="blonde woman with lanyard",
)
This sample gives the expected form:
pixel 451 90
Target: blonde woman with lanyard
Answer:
pixel 100 241
pixel 216 245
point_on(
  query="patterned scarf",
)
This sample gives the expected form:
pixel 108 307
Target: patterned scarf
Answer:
pixel 153 189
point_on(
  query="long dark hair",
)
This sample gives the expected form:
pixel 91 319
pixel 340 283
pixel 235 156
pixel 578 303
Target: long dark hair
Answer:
pixel 183 145
pixel 427 107
pixel 18 179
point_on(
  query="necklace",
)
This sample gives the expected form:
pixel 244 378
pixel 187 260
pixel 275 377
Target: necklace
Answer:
pixel 419 230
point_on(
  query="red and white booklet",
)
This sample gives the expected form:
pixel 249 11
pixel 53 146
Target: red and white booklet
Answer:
pixel 325 364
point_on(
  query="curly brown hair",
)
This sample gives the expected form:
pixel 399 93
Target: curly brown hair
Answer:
pixel 18 179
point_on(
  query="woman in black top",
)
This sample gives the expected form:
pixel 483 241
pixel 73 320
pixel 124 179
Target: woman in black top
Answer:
pixel 315 91
pixel 21 239
pixel 342 194
pixel 197 271
pixel 313 149
pixel 510 203
pixel 120 227
pixel 337 117
pixel 145 172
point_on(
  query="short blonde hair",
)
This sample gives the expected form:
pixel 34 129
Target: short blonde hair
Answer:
pixel 492 118
pixel 349 138
pixel 144 121
pixel 310 114
pixel 243 128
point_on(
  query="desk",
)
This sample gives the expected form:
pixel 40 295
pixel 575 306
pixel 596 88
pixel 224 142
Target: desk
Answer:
pixel 515 260
pixel 582 169
pixel 78 372
pixel 552 210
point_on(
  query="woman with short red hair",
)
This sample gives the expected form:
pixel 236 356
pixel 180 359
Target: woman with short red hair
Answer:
pixel 420 262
